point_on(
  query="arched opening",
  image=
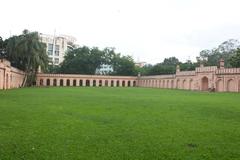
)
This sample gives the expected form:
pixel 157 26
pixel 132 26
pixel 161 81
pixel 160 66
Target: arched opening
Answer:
pixel 129 84
pixel 134 83
pixel 94 83
pixel 54 82
pixel 191 84
pixel 204 84
pixel 68 82
pixel 172 83
pixel 100 83
pixel 238 85
pixel 41 82
pixel 184 85
pixel 112 83
pixel 48 82
pixel 167 84
pixel 74 82
pixel 220 86
pixel 87 83
pixel 7 81
pixel 106 83
pixel 178 84
pixel 81 82
pixel 61 82
pixel 230 86
pixel 118 83
pixel 123 83
pixel 163 84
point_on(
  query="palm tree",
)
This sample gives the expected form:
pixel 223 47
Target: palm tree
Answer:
pixel 27 53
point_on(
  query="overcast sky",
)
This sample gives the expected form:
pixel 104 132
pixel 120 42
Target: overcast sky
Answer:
pixel 149 30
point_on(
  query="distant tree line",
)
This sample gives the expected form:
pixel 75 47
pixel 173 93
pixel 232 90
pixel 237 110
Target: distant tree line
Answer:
pixel 228 50
pixel 27 53
pixel 85 60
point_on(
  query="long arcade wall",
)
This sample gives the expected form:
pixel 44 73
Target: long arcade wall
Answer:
pixel 201 79
pixel 85 80
pixel 10 77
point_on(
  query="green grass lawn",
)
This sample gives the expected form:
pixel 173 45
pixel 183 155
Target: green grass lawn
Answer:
pixel 118 124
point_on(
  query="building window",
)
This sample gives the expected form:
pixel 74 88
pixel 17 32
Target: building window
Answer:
pixel 56 60
pixel 50 49
pixel 57 50
pixel 50 59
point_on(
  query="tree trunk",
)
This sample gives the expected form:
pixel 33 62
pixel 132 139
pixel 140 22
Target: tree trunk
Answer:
pixel 25 79
pixel 26 75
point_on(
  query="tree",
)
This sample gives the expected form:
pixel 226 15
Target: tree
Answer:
pixel 145 70
pixel 225 50
pixel 235 59
pixel 3 45
pixel 26 52
pixel 171 61
pixel 83 60
pixel 188 66
pixel 123 65
pixel 161 68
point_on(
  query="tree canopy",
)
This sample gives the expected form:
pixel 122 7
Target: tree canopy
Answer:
pixel 27 53
pixel 85 60
pixel 82 60
pixel 225 50
pixel 235 59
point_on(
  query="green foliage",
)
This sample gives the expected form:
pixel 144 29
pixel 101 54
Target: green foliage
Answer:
pixel 53 69
pixel 188 66
pixel 225 50
pixel 118 124
pixel 145 70
pixel 86 60
pixel 3 45
pixel 235 59
pixel 123 65
pixel 161 68
pixel 83 60
pixel 27 53
pixel 171 61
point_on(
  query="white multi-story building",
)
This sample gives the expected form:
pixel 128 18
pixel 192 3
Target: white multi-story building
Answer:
pixel 57 46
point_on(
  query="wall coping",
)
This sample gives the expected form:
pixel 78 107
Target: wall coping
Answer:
pixel 84 76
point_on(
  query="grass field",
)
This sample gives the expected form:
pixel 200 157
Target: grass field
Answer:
pixel 118 124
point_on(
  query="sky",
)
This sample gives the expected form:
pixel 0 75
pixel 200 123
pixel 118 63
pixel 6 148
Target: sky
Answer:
pixel 148 30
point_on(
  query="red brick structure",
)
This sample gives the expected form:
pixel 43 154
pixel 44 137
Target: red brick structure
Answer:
pixel 10 77
pixel 202 78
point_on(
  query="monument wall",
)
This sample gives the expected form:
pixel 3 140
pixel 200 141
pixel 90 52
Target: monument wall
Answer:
pixel 85 80
pixel 209 78
pixel 10 77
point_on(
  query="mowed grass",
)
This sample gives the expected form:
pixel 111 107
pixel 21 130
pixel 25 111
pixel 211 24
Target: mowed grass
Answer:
pixel 118 124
